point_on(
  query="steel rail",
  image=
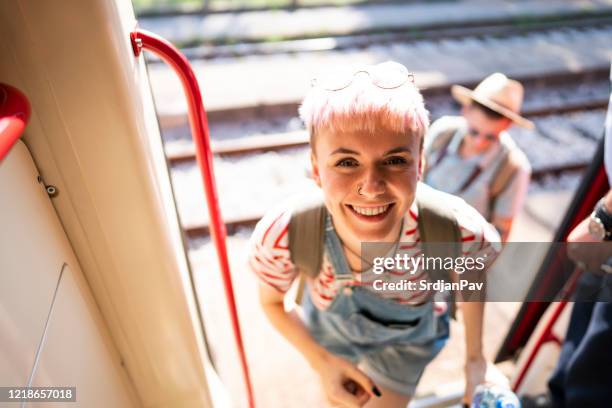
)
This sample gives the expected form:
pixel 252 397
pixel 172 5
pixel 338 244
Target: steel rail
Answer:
pixel 142 39
pixel 14 116
pixel 278 142
pixel 339 41
pixel 547 80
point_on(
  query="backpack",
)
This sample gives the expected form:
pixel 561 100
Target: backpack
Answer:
pixel 504 172
pixel 436 224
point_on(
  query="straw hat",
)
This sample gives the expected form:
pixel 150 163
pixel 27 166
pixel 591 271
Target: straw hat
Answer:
pixel 498 93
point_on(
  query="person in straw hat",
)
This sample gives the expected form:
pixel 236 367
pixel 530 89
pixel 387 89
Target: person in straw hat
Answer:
pixel 473 156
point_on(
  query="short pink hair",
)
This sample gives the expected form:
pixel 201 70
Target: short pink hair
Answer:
pixel 363 106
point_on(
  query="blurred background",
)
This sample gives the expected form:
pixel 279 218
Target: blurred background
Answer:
pixel 254 60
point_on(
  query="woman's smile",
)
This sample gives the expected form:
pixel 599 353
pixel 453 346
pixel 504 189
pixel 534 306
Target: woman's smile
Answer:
pixel 370 213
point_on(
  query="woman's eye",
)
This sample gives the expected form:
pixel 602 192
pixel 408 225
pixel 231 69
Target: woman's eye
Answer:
pixel 396 160
pixel 347 163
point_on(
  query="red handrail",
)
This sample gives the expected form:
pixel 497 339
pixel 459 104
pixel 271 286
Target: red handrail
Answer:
pixel 14 115
pixel 199 130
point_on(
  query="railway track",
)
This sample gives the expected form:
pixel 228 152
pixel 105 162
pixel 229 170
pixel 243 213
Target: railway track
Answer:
pixel 568 109
pixel 557 94
pixel 257 85
pixel 251 181
pixel 323 28
pixel 437 32
pixel 260 145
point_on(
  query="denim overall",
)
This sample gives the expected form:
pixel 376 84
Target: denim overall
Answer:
pixel 393 342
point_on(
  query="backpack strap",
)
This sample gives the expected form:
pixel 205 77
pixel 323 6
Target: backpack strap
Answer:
pixel 306 239
pixel 437 224
pixel 504 172
pixel 441 146
pixel 502 176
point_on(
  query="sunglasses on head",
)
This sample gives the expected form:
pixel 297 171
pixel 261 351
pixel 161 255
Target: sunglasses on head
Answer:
pixel 388 75
pixel 475 133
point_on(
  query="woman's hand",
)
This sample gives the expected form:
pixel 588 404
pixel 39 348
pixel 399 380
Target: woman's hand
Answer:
pixel 475 372
pixel 479 371
pixel 344 384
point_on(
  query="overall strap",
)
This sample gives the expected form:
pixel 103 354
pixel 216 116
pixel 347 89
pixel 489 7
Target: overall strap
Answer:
pixel 335 251
pixel 438 225
pixel 306 238
pixel 502 176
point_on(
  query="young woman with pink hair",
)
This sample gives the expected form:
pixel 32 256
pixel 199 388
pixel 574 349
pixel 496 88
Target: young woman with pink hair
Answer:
pixel 368 346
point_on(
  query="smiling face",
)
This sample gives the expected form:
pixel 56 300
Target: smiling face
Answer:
pixel 368 180
pixel 366 140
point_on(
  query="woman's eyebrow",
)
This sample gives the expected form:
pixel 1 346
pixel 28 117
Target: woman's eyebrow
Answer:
pixel 400 149
pixel 344 150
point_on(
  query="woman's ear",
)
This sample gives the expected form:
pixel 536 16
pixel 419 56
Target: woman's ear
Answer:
pixel 315 169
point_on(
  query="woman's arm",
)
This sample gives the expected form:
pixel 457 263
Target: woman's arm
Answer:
pixel 473 316
pixel 475 363
pixel 335 373
pixel 479 240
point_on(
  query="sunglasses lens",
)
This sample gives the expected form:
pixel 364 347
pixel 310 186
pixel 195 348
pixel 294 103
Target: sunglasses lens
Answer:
pixel 334 81
pixel 389 75
pixel 476 134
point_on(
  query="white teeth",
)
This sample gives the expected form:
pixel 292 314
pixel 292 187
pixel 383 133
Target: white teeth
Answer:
pixel 370 211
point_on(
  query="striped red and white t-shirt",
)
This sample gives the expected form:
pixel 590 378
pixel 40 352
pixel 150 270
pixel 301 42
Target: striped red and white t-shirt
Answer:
pixel 270 259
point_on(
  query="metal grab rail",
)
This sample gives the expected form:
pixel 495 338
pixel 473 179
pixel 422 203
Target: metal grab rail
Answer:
pixel 142 39
pixel 14 115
